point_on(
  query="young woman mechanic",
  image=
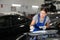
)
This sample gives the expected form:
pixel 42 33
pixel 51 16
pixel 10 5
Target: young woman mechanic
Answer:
pixel 40 20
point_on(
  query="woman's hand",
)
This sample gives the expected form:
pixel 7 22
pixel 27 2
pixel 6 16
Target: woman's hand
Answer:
pixel 31 28
pixel 31 25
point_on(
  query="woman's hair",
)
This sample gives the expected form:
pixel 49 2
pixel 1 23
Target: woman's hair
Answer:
pixel 44 9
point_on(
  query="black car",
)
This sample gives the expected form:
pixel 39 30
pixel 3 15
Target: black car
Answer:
pixel 13 25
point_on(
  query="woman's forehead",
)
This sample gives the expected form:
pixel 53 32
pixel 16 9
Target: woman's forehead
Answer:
pixel 43 11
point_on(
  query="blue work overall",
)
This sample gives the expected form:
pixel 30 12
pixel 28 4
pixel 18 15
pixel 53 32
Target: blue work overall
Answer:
pixel 38 24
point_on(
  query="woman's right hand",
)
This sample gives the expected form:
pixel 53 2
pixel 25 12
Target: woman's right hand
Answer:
pixel 31 28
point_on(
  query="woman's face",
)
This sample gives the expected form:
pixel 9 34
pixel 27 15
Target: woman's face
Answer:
pixel 43 13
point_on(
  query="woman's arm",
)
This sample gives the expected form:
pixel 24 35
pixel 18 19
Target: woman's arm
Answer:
pixel 32 23
pixel 33 20
pixel 48 22
pixel 47 25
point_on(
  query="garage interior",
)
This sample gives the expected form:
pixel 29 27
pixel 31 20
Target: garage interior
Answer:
pixel 16 17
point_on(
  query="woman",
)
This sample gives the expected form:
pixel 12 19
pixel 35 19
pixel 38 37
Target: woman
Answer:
pixel 40 20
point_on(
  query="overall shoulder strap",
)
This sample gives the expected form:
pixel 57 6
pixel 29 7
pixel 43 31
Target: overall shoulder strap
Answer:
pixel 38 18
pixel 44 19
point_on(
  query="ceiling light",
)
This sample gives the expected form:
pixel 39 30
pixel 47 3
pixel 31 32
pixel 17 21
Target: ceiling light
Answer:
pixel 35 6
pixel 16 5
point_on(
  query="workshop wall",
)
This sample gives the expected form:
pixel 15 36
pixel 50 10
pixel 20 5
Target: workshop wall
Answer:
pixel 26 5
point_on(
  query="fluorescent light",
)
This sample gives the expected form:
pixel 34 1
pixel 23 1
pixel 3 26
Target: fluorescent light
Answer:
pixel 16 5
pixel 35 6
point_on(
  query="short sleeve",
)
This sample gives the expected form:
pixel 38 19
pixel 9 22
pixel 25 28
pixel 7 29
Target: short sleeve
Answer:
pixel 35 17
pixel 48 20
